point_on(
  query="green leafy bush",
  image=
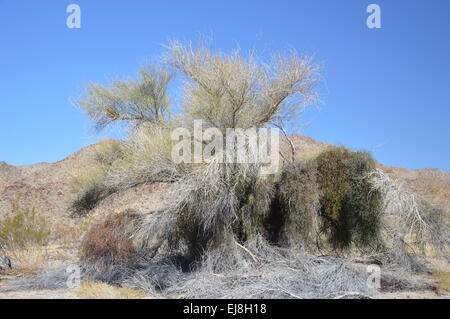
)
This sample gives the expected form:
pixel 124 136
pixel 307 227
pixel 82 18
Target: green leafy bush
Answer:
pixel 327 197
pixel 255 196
pixel 295 206
pixel 349 208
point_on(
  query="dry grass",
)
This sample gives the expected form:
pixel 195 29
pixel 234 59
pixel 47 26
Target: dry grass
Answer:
pixel 69 234
pixel 146 158
pixel 100 290
pixel 34 259
pixel 24 236
pixel 28 260
pixel 23 227
pixel 442 281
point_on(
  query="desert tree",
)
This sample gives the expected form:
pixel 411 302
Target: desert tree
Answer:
pixel 213 203
pixel 220 215
pixel 241 91
pixel 224 90
pixel 144 100
pixel 233 90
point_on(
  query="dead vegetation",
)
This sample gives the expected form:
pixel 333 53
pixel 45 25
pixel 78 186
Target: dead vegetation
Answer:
pixel 109 242
pixel 100 290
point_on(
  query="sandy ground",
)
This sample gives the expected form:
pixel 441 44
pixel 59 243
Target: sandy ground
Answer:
pixel 38 294
pixel 69 293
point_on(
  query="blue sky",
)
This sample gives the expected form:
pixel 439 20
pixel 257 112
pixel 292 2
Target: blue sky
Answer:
pixel 385 90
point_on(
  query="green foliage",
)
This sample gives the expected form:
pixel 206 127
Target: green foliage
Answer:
pixel 139 101
pixel 295 206
pixel 255 198
pixel 349 208
pixel 330 193
pixel 23 227
pixel 89 197
pixel 239 91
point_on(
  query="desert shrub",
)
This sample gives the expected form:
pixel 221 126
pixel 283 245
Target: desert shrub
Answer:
pixel 218 211
pixel 24 227
pixel 411 225
pixel 146 158
pixel 108 243
pixel 90 195
pixel 108 152
pixel 255 195
pixel 295 206
pixel 222 204
pixel 331 193
pixel 349 207
pixel 237 90
pixel 437 235
pixel 203 212
pixel 89 184
pixel 135 101
pixel 24 235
